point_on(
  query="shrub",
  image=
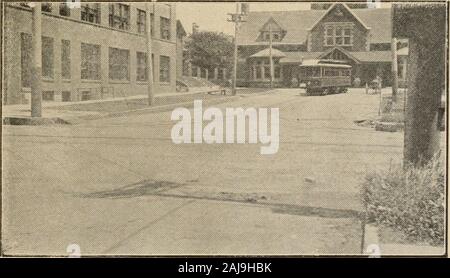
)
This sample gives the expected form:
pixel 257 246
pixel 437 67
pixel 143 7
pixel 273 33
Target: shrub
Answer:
pixel 410 199
pixel 386 105
pixel 393 117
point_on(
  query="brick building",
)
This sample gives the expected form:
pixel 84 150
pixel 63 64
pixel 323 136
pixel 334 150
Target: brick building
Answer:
pixel 93 51
pixel 360 37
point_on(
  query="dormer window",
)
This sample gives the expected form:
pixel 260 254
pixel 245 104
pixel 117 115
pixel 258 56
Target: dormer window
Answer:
pixel 276 36
pixel 338 34
pixel 271 26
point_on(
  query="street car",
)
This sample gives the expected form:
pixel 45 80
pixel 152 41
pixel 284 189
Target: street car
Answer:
pixel 323 77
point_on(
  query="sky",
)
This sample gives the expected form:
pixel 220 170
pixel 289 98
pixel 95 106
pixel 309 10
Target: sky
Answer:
pixel 213 16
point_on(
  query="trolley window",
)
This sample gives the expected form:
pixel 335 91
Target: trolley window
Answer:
pixel 331 72
pixel 310 72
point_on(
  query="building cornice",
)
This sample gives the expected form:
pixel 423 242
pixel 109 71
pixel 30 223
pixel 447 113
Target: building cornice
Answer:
pixel 89 23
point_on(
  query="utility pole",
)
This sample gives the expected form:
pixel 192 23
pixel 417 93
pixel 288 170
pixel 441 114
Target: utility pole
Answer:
pixel 394 69
pixel 150 88
pixel 236 18
pixel 270 56
pixel 36 65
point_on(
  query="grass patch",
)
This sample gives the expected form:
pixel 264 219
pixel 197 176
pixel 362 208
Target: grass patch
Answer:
pixel 410 200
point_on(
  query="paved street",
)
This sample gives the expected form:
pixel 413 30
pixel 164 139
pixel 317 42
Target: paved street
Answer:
pixel 120 186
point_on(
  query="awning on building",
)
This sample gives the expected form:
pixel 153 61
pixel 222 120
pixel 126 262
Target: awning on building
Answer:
pixel 358 57
pixel 296 57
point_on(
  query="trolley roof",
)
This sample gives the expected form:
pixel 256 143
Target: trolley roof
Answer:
pixel 324 63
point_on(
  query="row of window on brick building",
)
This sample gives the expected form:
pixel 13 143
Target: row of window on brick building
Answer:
pixel 90 67
pixel 119 17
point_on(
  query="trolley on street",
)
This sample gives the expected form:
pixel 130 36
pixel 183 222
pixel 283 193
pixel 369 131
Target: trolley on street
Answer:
pixel 323 77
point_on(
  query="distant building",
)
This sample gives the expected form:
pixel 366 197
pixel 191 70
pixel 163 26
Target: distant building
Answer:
pixel 95 51
pixel 361 37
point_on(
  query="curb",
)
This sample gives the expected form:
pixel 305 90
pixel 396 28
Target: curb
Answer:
pixel 374 249
pixel 24 120
pixel 33 121
pixel 161 108
pixel 388 126
pixel 371 242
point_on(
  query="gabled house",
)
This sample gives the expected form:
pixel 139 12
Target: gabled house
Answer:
pixel 360 37
pixel 271 26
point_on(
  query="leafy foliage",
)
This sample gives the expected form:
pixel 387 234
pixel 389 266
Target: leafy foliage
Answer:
pixel 210 50
pixel 410 200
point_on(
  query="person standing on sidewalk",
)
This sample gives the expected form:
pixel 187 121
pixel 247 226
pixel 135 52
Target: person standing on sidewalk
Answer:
pixel 379 84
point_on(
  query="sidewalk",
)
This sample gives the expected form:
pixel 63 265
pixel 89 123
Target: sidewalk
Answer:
pixel 386 242
pixel 73 112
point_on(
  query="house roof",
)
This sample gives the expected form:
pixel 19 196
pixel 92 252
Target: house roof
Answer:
pixel 297 56
pixel 271 22
pixel 345 7
pixel 266 52
pixel 372 56
pixel 361 56
pixel 297 23
pixel 318 62
pixel 379 20
pixel 342 50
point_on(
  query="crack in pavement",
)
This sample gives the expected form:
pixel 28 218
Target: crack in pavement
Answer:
pixel 162 189
pixel 121 242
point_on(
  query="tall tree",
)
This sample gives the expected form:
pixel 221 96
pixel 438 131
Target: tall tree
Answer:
pixel 210 50
pixel 425 27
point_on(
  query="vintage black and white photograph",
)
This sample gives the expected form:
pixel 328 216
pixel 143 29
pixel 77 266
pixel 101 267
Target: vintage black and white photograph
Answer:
pixel 224 128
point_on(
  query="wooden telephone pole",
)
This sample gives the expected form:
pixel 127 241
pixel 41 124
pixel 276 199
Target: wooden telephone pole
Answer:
pixel 236 18
pixel 394 67
pixel 394 70
pixel 271 56
pixel 36 64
